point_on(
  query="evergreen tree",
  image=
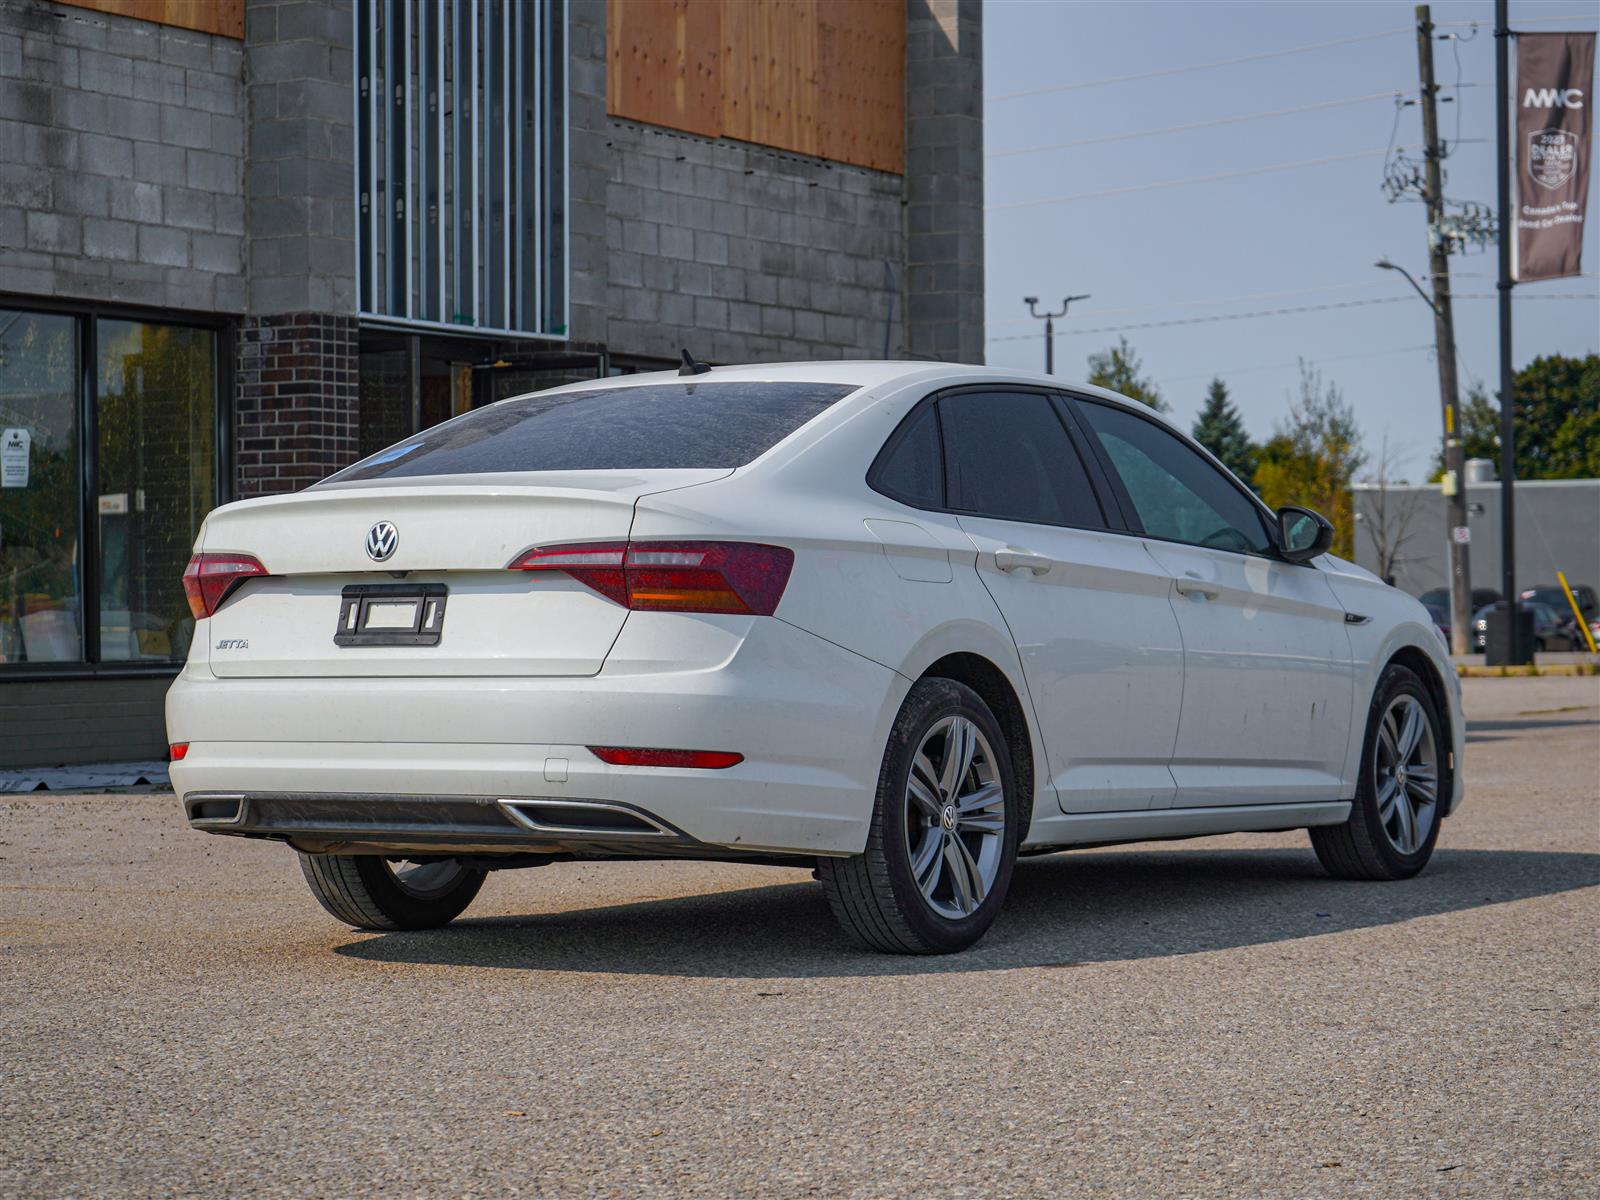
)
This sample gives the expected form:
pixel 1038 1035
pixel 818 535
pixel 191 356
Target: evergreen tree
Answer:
pixel 1220 429
pixel 1118 369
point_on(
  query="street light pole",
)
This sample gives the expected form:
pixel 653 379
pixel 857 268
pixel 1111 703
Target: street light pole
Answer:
pixel 1049 327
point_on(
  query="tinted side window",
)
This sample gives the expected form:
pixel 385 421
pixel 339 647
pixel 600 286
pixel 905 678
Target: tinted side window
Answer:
pixel 1008 456
pixel 1177 494
pixel 912 470
pixel 645 427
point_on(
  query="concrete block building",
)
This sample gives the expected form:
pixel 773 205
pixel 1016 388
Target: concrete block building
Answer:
pixel 243 242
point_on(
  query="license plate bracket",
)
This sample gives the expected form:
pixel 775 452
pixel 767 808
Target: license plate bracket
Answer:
pixel 375 614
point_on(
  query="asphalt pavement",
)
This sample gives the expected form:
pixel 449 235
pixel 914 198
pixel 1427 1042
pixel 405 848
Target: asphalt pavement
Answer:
pixel 1202 1018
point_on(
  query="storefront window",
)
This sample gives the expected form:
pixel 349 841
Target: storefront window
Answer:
pixel 39 495
pixel 108 464
pixel 156 429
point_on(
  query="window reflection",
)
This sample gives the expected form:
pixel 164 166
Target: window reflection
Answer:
pixel 39 608
pixel 156 430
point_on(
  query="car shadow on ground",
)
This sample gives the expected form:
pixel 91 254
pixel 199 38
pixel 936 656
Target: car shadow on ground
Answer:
pixel 1064 910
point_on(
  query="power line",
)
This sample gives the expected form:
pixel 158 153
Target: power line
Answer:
pixel 1231 372
pixel 1193 125
pixel 1276 295
pixel 1171 183
pixel 1205 66
pixel 1278 312
pixel 1265 312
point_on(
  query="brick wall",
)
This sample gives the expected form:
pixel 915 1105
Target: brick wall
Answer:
pixel 70 721
pixel 296 407
pixel 744 253
pixel 121 159
pixel 734 250
pixel 296 414
pixel 944 179
pixel 301 179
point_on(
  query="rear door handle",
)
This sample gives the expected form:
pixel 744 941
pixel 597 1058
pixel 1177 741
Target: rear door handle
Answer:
pixel 1194 587
pixel 1012 558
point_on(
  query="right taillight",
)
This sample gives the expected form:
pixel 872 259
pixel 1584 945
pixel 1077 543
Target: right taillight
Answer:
pixel 209 578
pixel 697 577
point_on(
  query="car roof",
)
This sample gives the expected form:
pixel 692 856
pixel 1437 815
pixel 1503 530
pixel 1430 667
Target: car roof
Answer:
pixel 875 376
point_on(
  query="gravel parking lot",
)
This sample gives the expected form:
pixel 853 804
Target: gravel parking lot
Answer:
pixel 1196 1018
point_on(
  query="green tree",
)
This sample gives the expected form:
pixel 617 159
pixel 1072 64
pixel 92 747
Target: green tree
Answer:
pixel 1118 369
pixel 1480 429
pixel 1313 456
pixel 1220 429
pixel 1558 418
pixel 1557 415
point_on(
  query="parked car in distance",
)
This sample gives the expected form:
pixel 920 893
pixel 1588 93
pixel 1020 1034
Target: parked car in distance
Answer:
pixel 1440 598
pixel 896 622
pixel 1551 595
pixel 1440 613
pixel 1550 632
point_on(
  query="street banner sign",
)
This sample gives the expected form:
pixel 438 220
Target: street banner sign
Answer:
pixel 1555 73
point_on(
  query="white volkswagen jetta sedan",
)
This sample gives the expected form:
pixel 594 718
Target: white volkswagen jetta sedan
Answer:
pixel 899 621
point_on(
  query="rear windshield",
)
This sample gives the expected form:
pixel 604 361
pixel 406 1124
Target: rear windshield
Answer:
pixel 649 427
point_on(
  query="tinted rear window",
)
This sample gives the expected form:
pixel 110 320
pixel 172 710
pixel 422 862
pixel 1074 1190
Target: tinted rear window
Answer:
pixel 649 427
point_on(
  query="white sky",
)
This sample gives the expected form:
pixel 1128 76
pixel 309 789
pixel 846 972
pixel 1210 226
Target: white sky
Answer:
pixel 1313 233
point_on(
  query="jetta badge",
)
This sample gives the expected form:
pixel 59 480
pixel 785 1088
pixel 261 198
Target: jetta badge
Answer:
pixel 383 539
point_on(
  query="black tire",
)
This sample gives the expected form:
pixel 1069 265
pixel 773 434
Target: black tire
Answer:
pixel 1361 848
pixel 362 891
pixel 874 895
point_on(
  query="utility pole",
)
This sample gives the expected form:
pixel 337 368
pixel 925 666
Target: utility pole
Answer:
pixel 1444 334
pixel 1049 327
pixel 1519 653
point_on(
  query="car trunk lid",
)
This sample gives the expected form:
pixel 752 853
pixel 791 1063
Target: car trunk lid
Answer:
pixel 451 532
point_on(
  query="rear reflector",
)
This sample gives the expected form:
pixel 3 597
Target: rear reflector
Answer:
pixel 633 756
pixel 177 750
pixel 209 578
pixel 700 577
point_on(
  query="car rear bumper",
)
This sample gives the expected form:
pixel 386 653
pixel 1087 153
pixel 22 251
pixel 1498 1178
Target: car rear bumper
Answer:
pixel 810 718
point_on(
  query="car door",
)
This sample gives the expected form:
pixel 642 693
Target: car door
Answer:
pixel 1087 607
pixel 1269 675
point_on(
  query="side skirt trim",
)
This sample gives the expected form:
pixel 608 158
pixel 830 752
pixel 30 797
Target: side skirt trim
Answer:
pixel 1071 829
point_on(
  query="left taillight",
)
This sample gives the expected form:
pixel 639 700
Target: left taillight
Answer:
pixel 209 578
pixel 694 577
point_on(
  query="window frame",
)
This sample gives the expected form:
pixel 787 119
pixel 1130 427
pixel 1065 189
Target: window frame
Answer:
pixel 1269 519
pixel 1110 509
pixel 87 315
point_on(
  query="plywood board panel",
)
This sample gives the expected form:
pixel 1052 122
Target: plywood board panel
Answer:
pixel 222 17
pixel 860 89
pixel 663 63
pixel 820 77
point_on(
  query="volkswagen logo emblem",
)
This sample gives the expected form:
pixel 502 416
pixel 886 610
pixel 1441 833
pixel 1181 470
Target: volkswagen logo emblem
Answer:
pixel 383 539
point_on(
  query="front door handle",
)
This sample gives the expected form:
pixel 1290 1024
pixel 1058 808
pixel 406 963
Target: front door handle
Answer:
pixel 1194 587
pixel 1013 558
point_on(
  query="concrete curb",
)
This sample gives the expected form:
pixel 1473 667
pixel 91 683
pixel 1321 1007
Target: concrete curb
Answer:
pixel 1472 671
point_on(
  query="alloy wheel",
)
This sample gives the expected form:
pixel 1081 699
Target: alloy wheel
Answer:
pixel 425 880
pixel 955 817
pixel 1406 774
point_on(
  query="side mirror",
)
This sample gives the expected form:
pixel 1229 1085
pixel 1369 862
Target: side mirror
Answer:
pixel 1302 533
